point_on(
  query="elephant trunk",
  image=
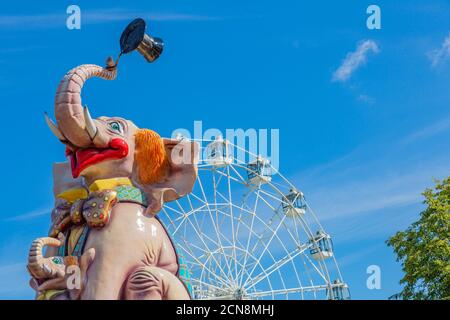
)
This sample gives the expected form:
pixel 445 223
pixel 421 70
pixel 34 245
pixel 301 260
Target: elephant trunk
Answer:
pixel 37 265
pixel 74 121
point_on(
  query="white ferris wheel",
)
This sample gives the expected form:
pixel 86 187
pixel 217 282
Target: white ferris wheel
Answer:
pixel 245 232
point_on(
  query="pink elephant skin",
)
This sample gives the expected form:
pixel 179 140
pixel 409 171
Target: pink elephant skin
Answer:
pixel 130 255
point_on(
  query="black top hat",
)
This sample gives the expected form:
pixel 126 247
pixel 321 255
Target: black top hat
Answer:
pixel 134 37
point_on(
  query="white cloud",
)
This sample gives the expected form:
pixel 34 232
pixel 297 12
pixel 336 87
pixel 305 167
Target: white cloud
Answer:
pixel 354 60
pixel 439 56
pixel 374 178
pixel 52 20
pixel 357 257
pixel 29 215
pixel 371 192
pixel 429 131
pixel 31 21
pixel 123 15
pixel 366 99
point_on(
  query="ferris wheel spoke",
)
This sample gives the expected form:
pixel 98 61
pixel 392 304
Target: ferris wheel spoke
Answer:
pixel 267 230
pixel 267 203
pixel 308 274
pixel 319 271
pixel 296 241
pixel 298 245
pixel 226 176
pixel 196 263
pixel 229 256
pixel 206 284
pixel 169 219
pixel 265 248
pixel 238 174
pixel 208 249
pixel 250 233
pixel 214 222
pixel 297 276
pixel 189 214
pixel 214 267
pixel 197 226
pixel 196 229
pixel 192 206
pixel 189 199
pixel 181 224
pixel 294 237
pixel 233 235
pixel 287 291
pixel 273 196
pixel 288 253
pixel 286 228
pixel 173 210
pixel 223 197
pixel 277 265
pixel 204 267
pixel 296 230
pixel 313 214
pixel 278 270
pixel 193 195
pixel 205 253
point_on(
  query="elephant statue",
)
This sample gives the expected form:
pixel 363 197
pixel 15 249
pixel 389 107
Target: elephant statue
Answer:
pixel 107 196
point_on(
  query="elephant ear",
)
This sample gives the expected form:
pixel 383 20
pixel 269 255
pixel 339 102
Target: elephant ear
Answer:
pixel 165 169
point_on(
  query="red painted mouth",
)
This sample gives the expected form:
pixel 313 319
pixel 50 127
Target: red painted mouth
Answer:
pixel 83 158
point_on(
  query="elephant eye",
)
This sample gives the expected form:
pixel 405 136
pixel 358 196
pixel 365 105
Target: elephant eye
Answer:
pixel 116 126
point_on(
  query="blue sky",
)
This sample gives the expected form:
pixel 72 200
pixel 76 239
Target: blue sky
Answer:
pixel 362 147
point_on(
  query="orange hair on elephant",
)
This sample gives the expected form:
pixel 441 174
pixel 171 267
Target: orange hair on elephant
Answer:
pixel 150 156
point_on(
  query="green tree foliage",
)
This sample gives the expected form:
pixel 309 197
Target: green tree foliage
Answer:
pixel 424 248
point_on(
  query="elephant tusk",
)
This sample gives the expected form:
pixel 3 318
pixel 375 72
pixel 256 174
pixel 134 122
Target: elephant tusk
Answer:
pixel 47 269
pixel 91 128
pixel 54 128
